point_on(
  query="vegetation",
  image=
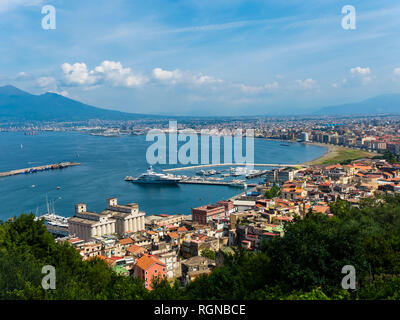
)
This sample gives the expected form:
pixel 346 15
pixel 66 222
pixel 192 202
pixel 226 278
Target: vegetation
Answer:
pixel 341 155
pixel 273 192
pixel 210 254
pixel 388 156
pixel 304 264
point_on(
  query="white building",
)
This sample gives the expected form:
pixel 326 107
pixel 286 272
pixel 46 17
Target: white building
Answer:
pixel 116 219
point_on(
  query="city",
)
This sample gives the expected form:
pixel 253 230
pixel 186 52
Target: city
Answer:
pixel 194 158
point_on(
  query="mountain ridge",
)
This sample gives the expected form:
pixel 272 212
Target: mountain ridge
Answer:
pixel 19 105
pixel 381 104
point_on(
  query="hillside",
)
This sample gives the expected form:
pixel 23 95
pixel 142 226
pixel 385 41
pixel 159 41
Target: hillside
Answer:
pixel 18 105
pixel 383 104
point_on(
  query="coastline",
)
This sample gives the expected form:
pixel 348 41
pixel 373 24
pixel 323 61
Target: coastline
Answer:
pixel 336 154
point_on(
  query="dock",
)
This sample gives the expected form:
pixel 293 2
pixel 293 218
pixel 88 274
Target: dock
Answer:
pixel 213 183
pixel 256 175
pixel 238 164
pixel 60 165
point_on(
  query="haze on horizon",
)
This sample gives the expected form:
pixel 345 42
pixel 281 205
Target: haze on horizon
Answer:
pixel 188 57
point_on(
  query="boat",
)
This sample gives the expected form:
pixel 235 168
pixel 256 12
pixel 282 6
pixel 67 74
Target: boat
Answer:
pixel 151 177
pixel 239 171
pixel 238 183
pixel 55 224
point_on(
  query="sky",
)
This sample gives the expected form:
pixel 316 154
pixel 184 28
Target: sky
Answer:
pixel 203 57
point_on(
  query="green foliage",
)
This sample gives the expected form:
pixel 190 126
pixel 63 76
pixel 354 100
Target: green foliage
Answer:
pixel 210 254
pixel 273 192
pixel 305 264
pixel 388 156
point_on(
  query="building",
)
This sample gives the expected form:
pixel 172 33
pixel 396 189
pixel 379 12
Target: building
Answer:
pixel 115 219
pixel 204 214
pixel 148 268
pixel 305 137
pixel 280 176
pixel 195 267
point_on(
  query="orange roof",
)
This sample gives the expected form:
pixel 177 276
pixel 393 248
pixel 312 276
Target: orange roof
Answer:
pixel 100 257
pixel 147 261
pixel 73 240
pixel 173 235
pixel 182 229
pixel 126 241
pixel 284 218
pixel 321 209
pixel 134 249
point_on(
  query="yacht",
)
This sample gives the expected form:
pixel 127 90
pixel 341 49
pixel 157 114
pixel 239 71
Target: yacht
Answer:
pixel 238 183
pixel 55 224
pixel 152 177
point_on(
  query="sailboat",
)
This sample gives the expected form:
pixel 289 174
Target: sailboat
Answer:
pixel 55 224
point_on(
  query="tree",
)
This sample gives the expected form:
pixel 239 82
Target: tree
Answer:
pixel 210 254
pixel 273 192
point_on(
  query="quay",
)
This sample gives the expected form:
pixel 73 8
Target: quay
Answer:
pixel 237 164
pixel 256 175
pixel 215 183
pixel 60 165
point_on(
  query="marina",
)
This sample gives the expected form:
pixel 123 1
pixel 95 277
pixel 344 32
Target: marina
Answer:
pixel 280 165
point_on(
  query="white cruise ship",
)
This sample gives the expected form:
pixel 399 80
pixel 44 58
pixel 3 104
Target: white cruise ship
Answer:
pixel 152 177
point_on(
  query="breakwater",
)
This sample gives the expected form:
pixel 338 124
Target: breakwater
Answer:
pixel 60 165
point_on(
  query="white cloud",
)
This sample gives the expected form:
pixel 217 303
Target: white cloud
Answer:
pixel 78 74
pixel 7 5
pixel 272 86
pixel 361 74
pixel 259 89
pixel 116 74
pixel 307 84
pixel 49 84
pixel 168 76
pixel 110 72
pixel 396 71
pixel 185 77
pixel 251 89
pixel 45 82
pixel 360 71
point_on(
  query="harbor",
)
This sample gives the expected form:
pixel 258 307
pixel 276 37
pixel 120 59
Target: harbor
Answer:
pixel 104 167
pixel 202 178
pixel 236 165
pixel 218 183
pixel 60 165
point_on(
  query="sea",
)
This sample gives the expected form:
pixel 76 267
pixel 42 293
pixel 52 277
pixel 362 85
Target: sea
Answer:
pixel 105 162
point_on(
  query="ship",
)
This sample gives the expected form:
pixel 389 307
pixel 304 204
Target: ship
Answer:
pixel 151 177
pixel 55 224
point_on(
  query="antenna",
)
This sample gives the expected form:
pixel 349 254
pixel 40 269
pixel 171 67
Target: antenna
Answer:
pixel 47 204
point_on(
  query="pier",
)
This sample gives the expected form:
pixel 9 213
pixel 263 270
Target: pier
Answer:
pixel 214 183
pixel 60 165
pixel 237 165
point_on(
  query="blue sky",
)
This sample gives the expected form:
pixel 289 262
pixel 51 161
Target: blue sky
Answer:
pixel 202 57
